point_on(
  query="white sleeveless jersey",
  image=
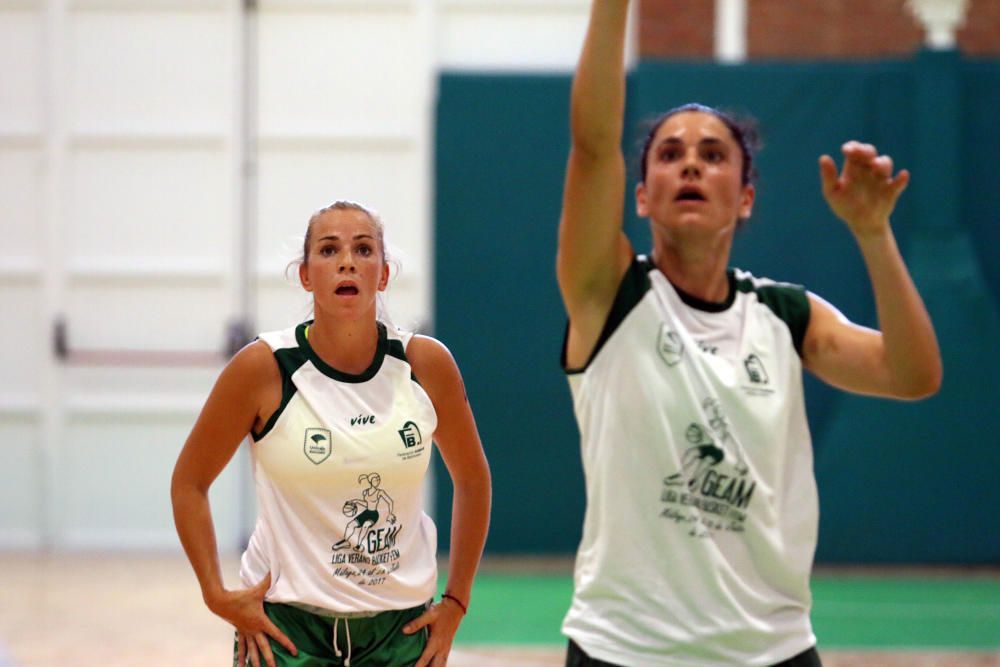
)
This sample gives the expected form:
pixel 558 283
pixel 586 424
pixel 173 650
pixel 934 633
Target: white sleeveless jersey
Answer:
pixel 339 470
pixel 702 508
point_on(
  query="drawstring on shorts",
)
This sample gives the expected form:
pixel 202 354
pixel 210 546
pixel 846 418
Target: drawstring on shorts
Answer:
pixel 347 629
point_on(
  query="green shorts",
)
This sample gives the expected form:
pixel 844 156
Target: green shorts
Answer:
pixel 369 641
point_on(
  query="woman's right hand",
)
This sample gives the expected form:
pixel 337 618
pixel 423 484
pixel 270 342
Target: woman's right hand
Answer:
pixel 244 608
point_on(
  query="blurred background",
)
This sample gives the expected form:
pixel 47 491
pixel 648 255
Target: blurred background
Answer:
pixel 159 160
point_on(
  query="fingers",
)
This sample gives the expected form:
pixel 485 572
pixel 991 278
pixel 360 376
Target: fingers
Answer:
pixel 882 165
pixel 827 173
pixel 241 650
pixel 275 632
pixel 865 159
pixel 899 183
pixel 421 621
pixel 430 657
pixel 252 652
pixel 858 152
pixel 265 648
pixel 433 656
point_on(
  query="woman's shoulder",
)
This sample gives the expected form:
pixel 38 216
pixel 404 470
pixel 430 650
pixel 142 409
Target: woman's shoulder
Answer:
pixel 427 352
pixel 432 363
pixel 254 363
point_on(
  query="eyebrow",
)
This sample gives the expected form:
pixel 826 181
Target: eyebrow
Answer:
pixel 357 237
pixel 674 141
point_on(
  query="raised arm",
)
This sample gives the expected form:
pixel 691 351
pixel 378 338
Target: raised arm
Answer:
pixel 902 360
pixel 234 406
pixel 593 250
pixel 457 439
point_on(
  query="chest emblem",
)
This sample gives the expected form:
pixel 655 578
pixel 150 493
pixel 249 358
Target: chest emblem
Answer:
pixel 670 346
pixel 410 434
pixel 755 369
pixel 758 382
pixel 317 445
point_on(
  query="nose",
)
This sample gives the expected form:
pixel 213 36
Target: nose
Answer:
pixel 691 168
pixel 346 264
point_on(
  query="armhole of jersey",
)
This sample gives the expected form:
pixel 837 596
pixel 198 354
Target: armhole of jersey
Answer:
pixel 289 360
pixel 791 304
pixel 397 349
pixel 634 285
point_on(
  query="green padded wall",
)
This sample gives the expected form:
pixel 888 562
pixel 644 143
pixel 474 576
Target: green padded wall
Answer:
pixel 899 482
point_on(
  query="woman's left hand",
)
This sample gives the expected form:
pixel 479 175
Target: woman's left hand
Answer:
pixel 864 194
pixel 442 620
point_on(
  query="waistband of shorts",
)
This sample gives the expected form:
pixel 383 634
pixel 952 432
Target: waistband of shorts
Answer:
pixel 329 613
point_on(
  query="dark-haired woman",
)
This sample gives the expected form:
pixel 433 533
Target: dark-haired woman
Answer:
pixel 331 404
pixel 685 373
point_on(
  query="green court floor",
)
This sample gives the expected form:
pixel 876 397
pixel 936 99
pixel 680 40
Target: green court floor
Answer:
pixel 849 611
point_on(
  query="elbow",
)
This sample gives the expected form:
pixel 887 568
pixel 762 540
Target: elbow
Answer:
pixel 478 484
pixel 922 387
pixel 931 386
pixel 183 487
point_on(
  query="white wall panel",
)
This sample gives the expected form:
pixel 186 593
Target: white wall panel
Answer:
pixel 20 205
pixel 136 315
pixel 296 183
pixel 22 68
pixel 149 206
pixel 23 341
pixel 184 386
pixel 526 35
pixel 113 481
pixel 20 480
pixel 280 306
pixel 345 73
pixel 121 147
pixel 142 71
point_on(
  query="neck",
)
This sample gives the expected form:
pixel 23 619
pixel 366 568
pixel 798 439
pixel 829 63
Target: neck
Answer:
pixel 698 269
pixel 347 345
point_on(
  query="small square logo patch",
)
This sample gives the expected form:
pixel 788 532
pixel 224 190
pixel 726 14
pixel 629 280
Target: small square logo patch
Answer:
pixel 317 445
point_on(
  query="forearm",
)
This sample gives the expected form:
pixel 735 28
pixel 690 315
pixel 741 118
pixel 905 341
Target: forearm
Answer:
pixel 598 98
pixel 469 525
pixel 193 519
pixel 910 346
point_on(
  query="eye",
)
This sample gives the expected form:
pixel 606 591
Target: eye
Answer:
pixel 327 250
pixel 364 249
pixel 670 154
pixel 714 155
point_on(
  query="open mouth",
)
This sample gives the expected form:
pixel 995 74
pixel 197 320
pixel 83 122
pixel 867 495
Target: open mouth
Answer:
pixel 347 290
pixel 690 194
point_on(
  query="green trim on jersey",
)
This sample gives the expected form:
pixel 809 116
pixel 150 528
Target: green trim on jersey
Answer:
pixel 326 369
pixel 289 360
pixel 634 285
pixel 396 350
pixel 709 306
pixel 789 302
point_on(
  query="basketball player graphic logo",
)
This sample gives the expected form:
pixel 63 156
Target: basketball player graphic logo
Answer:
pixel 697 459
pixel 364 512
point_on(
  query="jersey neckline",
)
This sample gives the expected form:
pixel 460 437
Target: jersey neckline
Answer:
pixel 709 306
pixel 326 369
pixel 694 301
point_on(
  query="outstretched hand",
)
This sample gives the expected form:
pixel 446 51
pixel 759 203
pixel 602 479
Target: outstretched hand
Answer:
pixel 442 620
pixel 245 610
pixel 864 194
